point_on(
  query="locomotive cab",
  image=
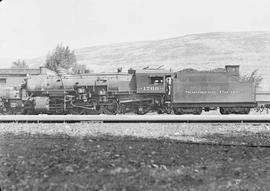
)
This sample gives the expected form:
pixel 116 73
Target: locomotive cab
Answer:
pixel 153 81
pixel 153 90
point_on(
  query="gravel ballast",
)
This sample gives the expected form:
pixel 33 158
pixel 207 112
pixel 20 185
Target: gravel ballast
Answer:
pixel 183 131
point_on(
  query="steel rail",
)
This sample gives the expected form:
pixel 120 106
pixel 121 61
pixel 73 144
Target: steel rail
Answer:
pixel 138 118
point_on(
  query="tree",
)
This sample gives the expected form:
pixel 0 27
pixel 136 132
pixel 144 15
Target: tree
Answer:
pixel 19 64
pixel 61 57
pixel 253 77
pixel 80 69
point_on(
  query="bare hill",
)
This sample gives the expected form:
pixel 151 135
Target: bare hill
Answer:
pixel 6 62
pixel 251 50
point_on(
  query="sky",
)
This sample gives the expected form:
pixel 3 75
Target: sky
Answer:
pixel 32 28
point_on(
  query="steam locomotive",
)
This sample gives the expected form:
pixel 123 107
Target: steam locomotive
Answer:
pixel 137 91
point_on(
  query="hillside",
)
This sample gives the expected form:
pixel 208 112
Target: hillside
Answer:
pixel 251 50
pixel 6 62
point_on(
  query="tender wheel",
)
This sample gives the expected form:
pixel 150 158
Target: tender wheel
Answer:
pixel 177 111
pixel 160 112
pixel 247 110
pixel 198 111
pixel 223 111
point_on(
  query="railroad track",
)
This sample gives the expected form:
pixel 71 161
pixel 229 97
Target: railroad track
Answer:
pixel 136 118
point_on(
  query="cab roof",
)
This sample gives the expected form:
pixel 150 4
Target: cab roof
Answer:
pixel 153 71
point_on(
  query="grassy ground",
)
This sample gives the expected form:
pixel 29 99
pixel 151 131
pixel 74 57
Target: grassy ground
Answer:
pixel 63 162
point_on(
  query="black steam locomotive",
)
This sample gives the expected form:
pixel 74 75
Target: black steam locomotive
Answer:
pixel 138 91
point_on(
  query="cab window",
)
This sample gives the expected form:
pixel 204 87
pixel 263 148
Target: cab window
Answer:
pixel 157 80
